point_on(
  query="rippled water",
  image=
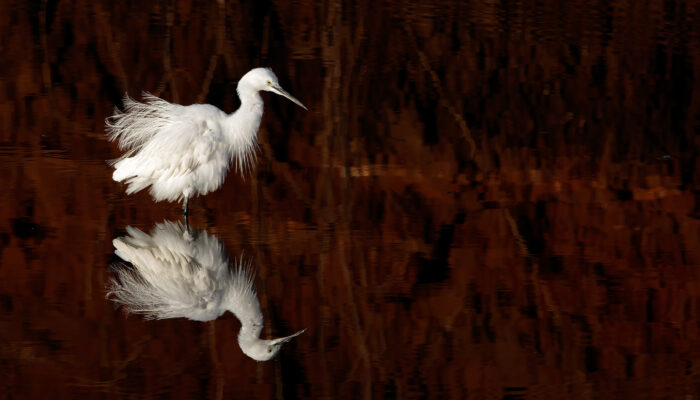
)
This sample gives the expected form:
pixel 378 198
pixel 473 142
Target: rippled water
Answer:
pixel 485 200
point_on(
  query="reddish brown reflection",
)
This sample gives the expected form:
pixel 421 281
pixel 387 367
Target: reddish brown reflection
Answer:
pixel 484 200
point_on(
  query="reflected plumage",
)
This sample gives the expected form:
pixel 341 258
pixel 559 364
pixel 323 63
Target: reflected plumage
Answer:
pixel 184 151
pixel 178 274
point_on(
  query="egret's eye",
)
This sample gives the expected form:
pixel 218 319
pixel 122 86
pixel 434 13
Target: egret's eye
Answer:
pixel 269 83
pixel 269 349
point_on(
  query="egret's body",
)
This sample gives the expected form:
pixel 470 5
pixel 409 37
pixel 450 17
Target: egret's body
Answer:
pixel 180 275
pixel 184 151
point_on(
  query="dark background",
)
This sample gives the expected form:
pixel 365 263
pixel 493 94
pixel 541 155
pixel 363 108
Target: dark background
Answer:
pixel 486 199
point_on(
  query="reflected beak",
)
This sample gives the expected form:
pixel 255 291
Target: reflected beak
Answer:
pixel 290 337
pixel 278 89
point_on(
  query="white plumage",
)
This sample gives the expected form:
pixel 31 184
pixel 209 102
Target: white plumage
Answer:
pixel 177 274
pixel 184 151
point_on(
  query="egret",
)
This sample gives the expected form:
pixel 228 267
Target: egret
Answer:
pixel 181 274
pixel 184 151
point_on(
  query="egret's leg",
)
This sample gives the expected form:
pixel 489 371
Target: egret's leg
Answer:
pixel 185 213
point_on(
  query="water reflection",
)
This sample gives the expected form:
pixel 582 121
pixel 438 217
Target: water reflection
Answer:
pixel 176 272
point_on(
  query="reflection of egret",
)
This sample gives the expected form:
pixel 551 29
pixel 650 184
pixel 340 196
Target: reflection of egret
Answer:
pixel 183 151
pixel 177 274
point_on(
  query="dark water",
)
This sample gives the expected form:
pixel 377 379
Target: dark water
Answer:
pixel 485 200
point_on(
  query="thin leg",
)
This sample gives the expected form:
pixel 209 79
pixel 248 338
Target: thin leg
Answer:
pixel 185 213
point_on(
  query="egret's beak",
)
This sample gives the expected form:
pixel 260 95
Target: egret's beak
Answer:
pixel 290 337
pixel 278 89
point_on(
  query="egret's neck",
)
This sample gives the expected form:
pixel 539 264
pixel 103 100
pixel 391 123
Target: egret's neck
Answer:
pixel 249 336
pixel 252 345
pixel 248 95
pixel 246 120
pixel 242 301
pixel 242 127
pixel 244 123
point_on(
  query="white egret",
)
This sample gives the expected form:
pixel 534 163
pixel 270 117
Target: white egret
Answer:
pixel 179 274
pixel 184 151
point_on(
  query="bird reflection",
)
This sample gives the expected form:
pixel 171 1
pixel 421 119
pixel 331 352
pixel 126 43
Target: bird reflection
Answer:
pixel 182 273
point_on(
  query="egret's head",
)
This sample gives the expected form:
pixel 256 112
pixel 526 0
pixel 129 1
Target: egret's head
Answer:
pixel 263 350
pixel 265 79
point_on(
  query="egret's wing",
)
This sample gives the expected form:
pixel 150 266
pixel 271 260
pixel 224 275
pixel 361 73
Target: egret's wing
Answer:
pixel 171 276
pixel 169 134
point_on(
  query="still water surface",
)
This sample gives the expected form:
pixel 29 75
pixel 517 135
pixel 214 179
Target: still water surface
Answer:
pixel 485 200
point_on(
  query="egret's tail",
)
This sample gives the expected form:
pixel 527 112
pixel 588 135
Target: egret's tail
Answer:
pixel 123 169
pixel 134 293
pixel 139 121
pixel 127 171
